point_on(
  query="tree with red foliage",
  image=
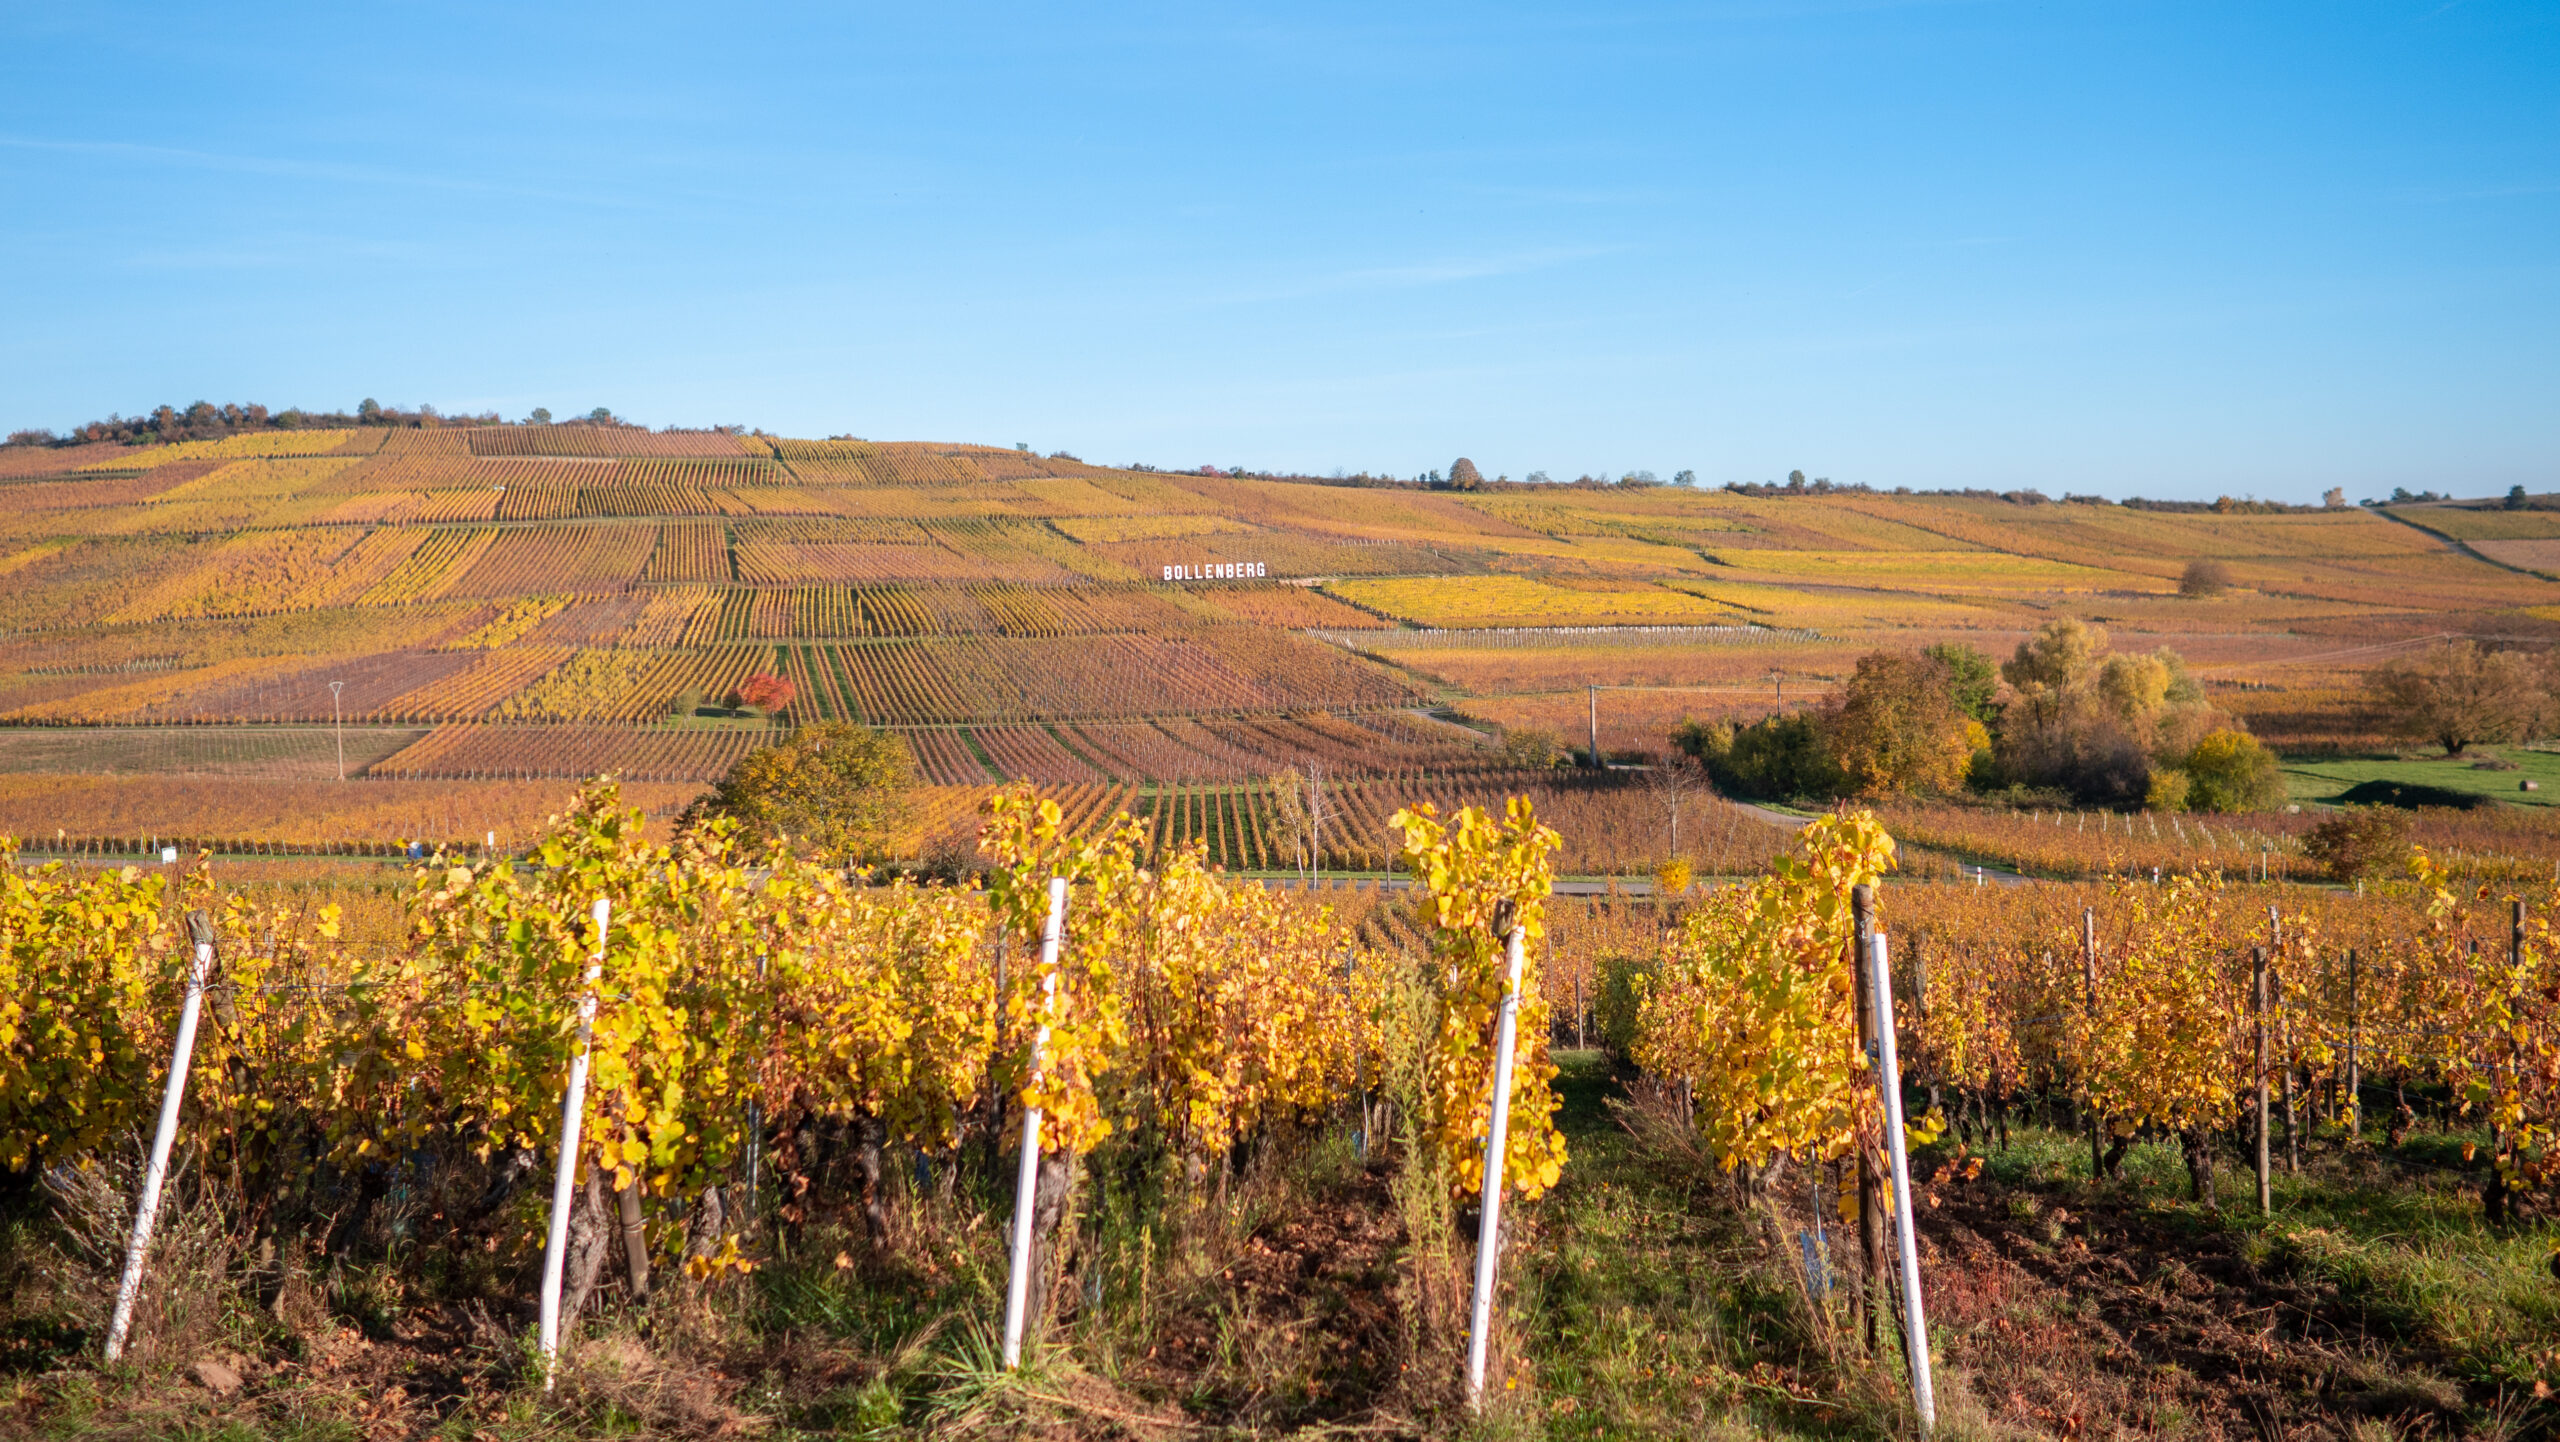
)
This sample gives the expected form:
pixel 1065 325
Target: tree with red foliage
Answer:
pixel 764 691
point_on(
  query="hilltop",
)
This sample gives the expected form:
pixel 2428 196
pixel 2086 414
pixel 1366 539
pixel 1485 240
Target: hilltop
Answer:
pixel 473 601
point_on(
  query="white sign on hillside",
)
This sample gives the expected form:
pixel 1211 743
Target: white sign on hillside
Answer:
pixel 1218 571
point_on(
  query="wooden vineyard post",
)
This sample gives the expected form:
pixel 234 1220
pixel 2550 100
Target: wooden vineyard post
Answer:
pixel 2494 1203
pixel 564 1179
pixel 1915 1322
pixel 1862 911
pixel 146 1207
pixel 1496 1151
pixel 1596 763
pixel 2089 991
pixel 1017 1289
pixel 2355 1077
pixel 2258 1010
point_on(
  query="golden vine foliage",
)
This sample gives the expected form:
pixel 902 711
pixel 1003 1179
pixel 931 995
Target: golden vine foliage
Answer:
pixel 1245 1006
pixel 2162 1044
pixel 1080 997
pixel 881 1006
pixel 1483 877
pixel 1754 1003
pixel 79 959
pixel 474 1025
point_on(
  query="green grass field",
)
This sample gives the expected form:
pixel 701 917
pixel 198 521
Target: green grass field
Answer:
pixel 2323 781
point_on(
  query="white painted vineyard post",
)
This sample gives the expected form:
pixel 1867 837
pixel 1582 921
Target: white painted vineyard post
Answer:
pixel 1489 1225
pixel 147 1206
pixel 564 1180
pixel 755 1122
pixel 1915 1322
pixel 1026 1184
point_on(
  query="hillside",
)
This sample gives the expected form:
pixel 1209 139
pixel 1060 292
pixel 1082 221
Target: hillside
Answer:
pixel 547 601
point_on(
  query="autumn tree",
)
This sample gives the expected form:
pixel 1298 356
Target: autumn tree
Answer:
pixel 1973 679
pixel 764 692
pixel 2459 695
pixel 2096 723
pixel 1463 475
pixel 1896 727
pixel 834 788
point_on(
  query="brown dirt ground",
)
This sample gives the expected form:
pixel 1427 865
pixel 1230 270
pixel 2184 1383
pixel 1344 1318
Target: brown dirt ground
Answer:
pixel 2098 1317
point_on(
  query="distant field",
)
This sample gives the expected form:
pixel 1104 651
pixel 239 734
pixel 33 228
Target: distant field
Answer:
pixel 540 601
pixel 2535 555
pixel 2466 524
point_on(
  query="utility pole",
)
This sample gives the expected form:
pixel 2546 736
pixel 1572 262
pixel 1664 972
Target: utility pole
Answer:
pixel 338 724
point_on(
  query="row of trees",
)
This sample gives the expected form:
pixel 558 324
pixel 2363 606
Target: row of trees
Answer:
pixel 205 421
pixel 2064 714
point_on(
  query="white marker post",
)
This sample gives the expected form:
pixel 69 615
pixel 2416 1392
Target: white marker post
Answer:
pixel 564 1181
pixel 1489 1224
pixel 1915 1323
pixel 147 1207
pixel 1026 1186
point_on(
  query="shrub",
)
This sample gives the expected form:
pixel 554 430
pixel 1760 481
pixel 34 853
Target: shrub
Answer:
pixel 2358 842
pixel 2204 578
pixel 2167 791
pixel 1672 878
pixel 1776 757
pixel 2230 771
pixel 1529 748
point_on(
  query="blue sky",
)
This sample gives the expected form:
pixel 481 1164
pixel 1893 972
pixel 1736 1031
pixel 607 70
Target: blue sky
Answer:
pixel 2168 249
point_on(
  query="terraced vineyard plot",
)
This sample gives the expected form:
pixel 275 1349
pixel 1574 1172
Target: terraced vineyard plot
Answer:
pixel 249 575
pixel 1461 603
pixel 274 753
pixel 1142 751
pixel 589 621
pixel 228 812
pixel 2464 523
pixel 17 461
pixel 1288 555
pixel 691 552
pixel 667 616
pixel 232 448
pixel 558 558
pixel 633 753
pixel 1945 572
pixel 416 507
pixel 1298 608
pixel 427 570
pixel 1030 753
pixel 608 441
pixel 26 498
pixel 943 758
